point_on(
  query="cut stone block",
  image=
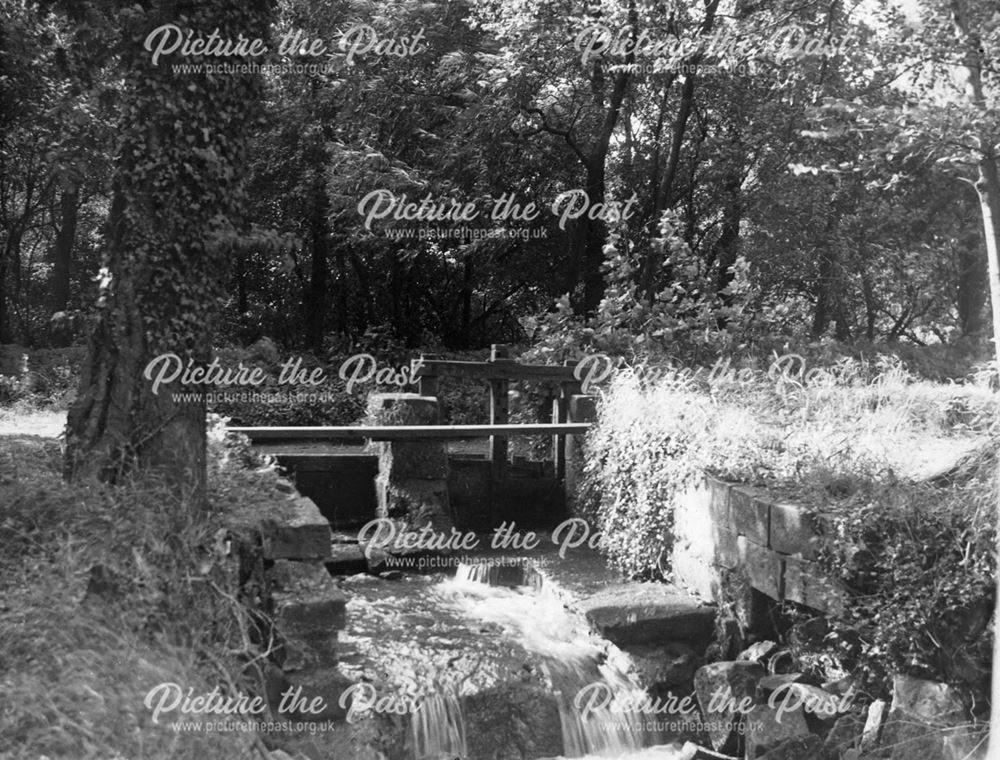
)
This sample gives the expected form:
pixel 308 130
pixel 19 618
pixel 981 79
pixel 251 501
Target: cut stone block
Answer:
pixel 807 584
pixel 307 601
pixel 402 409
pixel 403 460
pixel 750 513
pixel 648 613
pixel 295 529
pixel 793 531
pixel 416 502
pixel 763 568
pixel 346 559
pixel 718 503
pixel 307 695
pixel 696 575
pixel 727 548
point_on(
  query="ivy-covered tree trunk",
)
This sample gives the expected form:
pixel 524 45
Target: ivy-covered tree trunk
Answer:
pixel 176 205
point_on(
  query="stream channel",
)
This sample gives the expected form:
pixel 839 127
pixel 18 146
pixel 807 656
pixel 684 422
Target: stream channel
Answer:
pixel 485 657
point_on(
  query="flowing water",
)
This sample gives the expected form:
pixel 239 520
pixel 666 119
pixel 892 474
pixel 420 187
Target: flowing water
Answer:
pixel 534 611
pixel 495 658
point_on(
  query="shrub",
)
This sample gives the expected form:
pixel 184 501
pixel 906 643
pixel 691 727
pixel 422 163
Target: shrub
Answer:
pixel 868 424
pixel 688 317
pixel 922 592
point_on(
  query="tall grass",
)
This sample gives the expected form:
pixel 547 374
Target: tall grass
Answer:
pixel 852 423
pixel 902 468
pixel 107 592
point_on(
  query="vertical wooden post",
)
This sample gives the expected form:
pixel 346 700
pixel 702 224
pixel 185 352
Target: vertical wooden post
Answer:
pixel 499 414
pixel 428 385
pixel 580 408
pixel 560 408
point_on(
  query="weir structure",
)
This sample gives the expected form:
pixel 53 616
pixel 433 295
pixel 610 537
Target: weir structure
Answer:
pixel 351 484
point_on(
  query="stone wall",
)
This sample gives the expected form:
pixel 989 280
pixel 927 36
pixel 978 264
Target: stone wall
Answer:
pixel 724 526
pixel 412 483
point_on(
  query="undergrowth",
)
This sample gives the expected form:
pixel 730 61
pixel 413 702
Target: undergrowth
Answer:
pixel 108 592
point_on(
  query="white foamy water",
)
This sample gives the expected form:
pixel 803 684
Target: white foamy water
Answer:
pixel 437 729
pixel 572 656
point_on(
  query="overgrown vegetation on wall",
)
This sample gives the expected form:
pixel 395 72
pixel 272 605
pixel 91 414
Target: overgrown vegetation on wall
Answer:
pixel 857 441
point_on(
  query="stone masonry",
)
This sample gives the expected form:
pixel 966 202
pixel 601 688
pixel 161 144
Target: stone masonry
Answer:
pixel 412 484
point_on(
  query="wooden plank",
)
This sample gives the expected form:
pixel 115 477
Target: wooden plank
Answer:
pixel 407 432
pixel 497 370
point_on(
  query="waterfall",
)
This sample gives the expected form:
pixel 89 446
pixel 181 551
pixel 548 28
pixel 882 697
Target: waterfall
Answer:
pixel 510 575
pixel 573 657
pixel 437 729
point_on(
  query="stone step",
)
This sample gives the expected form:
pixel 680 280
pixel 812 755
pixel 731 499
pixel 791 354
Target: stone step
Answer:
pixel 307 600
pixel 288 527
pixel 648 613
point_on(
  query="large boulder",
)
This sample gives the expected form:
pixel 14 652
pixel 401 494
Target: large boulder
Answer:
pixel 665 668
pixel 795 748
pixel 513 720
pixel 725 692
pixel 921 716
pixel 768 729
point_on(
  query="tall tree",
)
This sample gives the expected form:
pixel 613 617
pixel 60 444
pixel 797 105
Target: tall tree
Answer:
pixel 174 219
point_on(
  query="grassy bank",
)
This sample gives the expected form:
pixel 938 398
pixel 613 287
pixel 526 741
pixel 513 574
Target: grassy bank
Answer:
pixel 107 592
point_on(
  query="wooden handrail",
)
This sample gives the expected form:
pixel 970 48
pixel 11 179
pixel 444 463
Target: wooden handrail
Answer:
pixel 499 369
pixel 409 432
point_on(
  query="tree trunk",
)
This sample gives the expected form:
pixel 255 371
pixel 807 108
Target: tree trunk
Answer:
pixel 343 289
pixel 871 306
pixel 319 275
pixel 176 204
pixel 987 182
pixel 9 266
pixel 988 187
pixel 62 250
pixel 728 246
pixel 821 314
pixel 971 292
pixel 117 424
pixel 6 334
pixel 595 233
pixel 467 279
pixel 663 197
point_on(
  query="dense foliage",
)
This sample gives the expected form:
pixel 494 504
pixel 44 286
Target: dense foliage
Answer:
pixel 830 184
pixel 917 554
